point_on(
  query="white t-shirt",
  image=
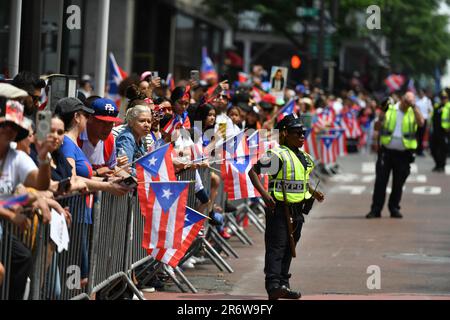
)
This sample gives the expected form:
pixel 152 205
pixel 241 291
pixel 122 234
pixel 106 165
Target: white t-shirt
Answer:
pixel 425 106
pixel 397 137
pixel 17 166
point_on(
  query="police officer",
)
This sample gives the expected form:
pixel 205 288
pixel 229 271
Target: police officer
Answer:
pixel 289 169
pixel 440 126
pixel 398 142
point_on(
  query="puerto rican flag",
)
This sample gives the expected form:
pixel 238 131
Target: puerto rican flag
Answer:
pixel 207 69
pixel 243 77
pixel 310 146
pixel 351 125
pixel 170 81
pixel 193 222
pixel 177 122
pixel 328 153
pixel 340 143
pixel 115 77
pixel 327 117
pixel 258 145
pixel 394 82
pixel 288 108
pixel 236 167
pixel 165 215
pixel 11 201
pixel 155 166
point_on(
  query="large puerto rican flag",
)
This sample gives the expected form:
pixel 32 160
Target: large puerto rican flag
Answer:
pixel 165 215
pixel 115 77
pixel 155 166
pixel 193 222
pixel 328 153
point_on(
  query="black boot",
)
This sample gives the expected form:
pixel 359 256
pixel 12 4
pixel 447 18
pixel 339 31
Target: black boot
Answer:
pixel 290 294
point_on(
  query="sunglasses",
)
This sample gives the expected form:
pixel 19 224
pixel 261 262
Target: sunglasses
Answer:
pixel 298 132
pixel 35 98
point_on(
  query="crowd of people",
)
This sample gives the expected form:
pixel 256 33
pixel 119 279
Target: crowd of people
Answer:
pixel 94 141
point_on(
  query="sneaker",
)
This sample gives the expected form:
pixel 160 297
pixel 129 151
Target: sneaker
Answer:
pixel 192 260
pixel 225 234
pixel 148 289
pixel 188 265
pixel 199 259
pixel 372 215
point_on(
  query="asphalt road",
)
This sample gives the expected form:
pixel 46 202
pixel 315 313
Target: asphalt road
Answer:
pixel 342 255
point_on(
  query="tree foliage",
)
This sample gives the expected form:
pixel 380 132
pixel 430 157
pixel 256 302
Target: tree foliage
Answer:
pixel 418 36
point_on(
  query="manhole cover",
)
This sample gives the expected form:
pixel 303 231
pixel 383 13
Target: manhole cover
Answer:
pixel 419 257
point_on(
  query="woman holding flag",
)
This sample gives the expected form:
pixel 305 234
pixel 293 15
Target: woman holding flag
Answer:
pixel 288 197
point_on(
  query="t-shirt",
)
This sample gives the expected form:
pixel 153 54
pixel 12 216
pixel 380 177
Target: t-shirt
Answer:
pixel 14 170
pixel 425 106
pixel 82 165
pixel 63 168
pixel 96 154
pixel 397 137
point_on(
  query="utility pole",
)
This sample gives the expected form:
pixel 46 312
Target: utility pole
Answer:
pixel 320 41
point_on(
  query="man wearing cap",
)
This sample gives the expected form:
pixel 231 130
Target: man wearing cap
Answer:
pixel 438 145
pixel 32 84
pixel 289 169
pixel 97 141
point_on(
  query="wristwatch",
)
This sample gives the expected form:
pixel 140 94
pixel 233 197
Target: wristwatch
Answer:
pixel 48 159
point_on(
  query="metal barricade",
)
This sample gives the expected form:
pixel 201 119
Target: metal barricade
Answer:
pixel 32 254
pixel 65 270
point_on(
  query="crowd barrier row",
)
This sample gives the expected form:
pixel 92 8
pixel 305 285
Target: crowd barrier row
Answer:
pixel 105 247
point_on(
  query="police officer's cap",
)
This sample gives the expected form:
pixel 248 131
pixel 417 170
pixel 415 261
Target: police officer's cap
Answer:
pixel 444 94
pixel 289 122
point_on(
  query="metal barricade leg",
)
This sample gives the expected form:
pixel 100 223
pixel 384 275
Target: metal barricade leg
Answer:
pixel 174 278
pixel 227 248
pixel 241 234
pixel 210 249
pixel 185 280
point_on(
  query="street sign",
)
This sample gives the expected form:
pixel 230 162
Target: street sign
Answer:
pixel 307 12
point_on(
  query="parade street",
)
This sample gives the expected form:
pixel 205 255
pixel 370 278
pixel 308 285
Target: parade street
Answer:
pixel 339 244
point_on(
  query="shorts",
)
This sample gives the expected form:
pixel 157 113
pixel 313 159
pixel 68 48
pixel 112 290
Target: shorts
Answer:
pixel 202 196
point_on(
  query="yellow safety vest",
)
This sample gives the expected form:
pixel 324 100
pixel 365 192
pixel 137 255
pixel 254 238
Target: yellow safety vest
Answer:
pixel 294 175
pixel 445 117
pixel 409 128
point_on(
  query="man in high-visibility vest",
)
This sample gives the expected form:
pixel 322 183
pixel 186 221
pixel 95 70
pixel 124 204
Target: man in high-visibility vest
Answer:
pixel 440 127
pixel 398 142
pixel 289 192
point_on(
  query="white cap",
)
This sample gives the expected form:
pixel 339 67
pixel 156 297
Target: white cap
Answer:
pixel 11 92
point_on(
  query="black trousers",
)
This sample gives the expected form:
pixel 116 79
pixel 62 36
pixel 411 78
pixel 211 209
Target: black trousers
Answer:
pixel 21 264
pixel 278 253
pixel 399 163
pixel 438 147
pixel 420 134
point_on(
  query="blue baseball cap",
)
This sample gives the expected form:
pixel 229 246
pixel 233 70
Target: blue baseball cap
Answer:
pixel 106 110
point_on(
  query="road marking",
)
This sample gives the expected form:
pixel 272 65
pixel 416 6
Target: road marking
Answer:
pixel 353 189
pixel 368 167
pixel 427 190
pixel 420 178
pixel 447 169
pixel 344 177
pixel 368 178
pixel 414 168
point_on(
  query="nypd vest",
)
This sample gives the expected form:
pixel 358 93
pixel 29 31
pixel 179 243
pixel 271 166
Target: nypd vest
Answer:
pixel 445 118
pixel 409 128
pixel 294 175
